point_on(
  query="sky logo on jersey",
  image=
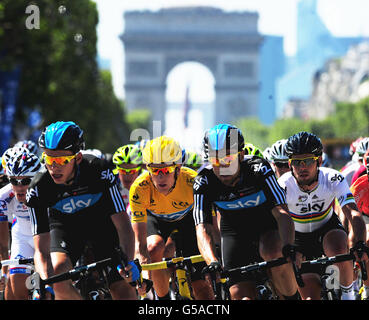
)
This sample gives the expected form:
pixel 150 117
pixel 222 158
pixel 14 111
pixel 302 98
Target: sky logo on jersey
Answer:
pixel 249 201
pixel 77 203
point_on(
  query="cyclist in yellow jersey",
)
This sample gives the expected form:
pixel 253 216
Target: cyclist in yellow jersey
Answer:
pixel 161 201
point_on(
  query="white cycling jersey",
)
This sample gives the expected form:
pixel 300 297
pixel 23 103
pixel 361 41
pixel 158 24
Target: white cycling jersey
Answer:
pixel 311 210
pixel 12 210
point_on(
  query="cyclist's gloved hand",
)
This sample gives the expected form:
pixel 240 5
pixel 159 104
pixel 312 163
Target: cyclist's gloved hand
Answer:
pixel 213 267
pixel 289 251
pixel 50 290
pixel 360 248
pixel 134 270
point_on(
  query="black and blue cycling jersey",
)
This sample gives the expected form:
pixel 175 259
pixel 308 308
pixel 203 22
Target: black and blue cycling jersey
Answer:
pixel 92 196
pixel 245 209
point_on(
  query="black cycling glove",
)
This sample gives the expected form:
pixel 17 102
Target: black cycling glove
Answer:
pixel 213 267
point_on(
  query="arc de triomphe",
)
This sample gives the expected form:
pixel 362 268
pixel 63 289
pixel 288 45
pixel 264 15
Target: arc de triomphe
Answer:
pixel 227 43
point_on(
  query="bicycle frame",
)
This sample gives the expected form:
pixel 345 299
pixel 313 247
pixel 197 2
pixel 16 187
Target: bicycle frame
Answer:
pixel 258 267
pixel 178 263
pixel 327 292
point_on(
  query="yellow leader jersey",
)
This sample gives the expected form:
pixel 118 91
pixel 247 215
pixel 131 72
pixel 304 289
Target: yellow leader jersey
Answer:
pixel 145 198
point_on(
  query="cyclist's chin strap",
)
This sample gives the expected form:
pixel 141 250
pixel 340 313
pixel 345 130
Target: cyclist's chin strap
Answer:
pixel 176 173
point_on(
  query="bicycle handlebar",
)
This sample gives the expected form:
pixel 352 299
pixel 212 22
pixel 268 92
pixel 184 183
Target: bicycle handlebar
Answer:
pixel 255 267
pixel 169 263
pixel 34 281
pixel 16 262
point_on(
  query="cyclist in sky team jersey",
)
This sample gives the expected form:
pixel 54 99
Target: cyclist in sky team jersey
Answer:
pixel 255 223
pixel 74 201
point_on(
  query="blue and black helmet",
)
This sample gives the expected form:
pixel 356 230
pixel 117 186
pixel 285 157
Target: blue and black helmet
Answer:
pixel 223 138
pixel 62 135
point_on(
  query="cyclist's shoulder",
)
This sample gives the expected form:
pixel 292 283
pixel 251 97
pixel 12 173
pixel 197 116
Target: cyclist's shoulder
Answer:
pixel 92 163
pixel 286 178
pixel 41 178
pixel 188 171
pixel 6 191
pixel 204 175
pixel 186 177
pixel 330 176
pixel 256 166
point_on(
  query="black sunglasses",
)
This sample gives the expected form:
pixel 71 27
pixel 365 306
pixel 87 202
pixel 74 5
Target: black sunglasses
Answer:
pixel 23 182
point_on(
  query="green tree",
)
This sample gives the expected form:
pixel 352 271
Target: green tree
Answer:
pixel 59 72
pixel 254 131
pixel 284 128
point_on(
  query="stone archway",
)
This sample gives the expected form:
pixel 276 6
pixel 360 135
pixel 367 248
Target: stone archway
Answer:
pixel 227 43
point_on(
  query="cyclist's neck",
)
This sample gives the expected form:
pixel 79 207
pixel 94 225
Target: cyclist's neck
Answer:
pixel 73 176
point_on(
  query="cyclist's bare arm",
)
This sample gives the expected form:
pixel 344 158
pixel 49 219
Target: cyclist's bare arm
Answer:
pixel 286 228
pixel 126 235
pixel 356 221
pixel 285 223
pixel 42 259
pixel 4 249
pixel 4 240
pixel 205 242
pixel 141 252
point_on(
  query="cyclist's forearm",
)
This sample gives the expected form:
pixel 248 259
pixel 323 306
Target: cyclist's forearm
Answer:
pixel 205 242
pixel 4 240
pixel 125 233
pixel 357 222
pixel 43 264
pixel 140 238
pixel 286 225
pixel 42 259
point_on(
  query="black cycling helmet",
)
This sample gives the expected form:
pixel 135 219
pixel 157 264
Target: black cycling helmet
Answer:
pixel 302 143
pixel 223 137
pixel 62 135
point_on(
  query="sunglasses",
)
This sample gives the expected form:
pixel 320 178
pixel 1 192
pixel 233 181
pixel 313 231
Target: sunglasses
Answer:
pixel 58 160
pixel 125 171
pixel 23 182
pixel 281 165
pixel 304 161
pixel 223 161
pixel 164 170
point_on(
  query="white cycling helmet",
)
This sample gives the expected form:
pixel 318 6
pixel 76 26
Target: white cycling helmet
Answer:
pixel 10 153
pixel 277 153
pixel 28 144
pixel 362 147
pixel 23 164
pixel 95 152
pixel 266 153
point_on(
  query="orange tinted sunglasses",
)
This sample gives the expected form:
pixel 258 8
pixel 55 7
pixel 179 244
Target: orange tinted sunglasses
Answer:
pixel 58 160
pixel 224 160
pixel 164 170
pixel 125 171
